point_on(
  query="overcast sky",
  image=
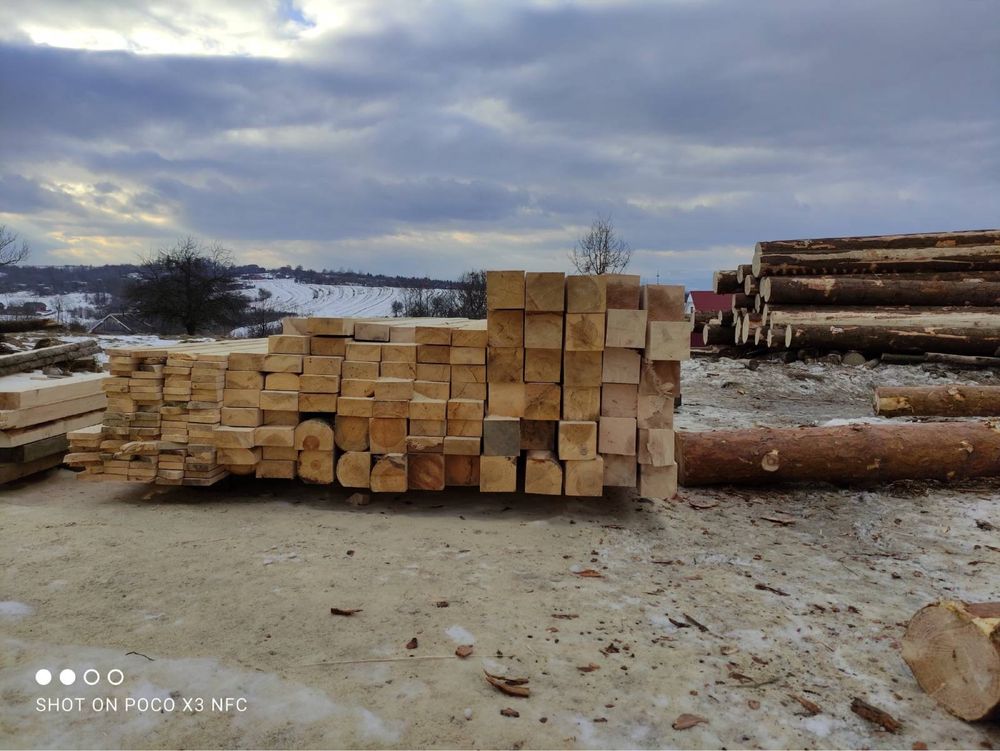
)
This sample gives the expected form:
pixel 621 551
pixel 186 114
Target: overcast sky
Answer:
pixel 431 137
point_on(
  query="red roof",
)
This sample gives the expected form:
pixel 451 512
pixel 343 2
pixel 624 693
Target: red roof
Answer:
pixel 710 301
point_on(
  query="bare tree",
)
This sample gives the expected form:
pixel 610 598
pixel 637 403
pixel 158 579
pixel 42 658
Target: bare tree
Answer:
pixel 466 300
pixel 601 250
pixel 11 253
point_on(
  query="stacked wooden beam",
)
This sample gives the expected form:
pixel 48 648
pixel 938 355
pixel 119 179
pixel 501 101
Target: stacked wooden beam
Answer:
pixel 37 412
pixel 901 294
pixel 570 383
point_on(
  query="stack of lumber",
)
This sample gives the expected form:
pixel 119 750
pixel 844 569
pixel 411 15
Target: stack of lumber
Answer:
pixel 898 294
pixel 37 412
pixel 567 387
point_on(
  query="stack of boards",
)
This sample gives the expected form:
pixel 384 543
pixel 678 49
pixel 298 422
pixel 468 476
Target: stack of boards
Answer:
pixel 899 294
pixel 568 387
pixel 37 412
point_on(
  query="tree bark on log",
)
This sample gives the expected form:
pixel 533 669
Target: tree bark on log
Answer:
pixel 953 650
pixel 893 290
pixel 871 261
pixel 952 317
pixel 844 455
pixel 913 340
pixel 724 282
pixel 967 362
pixel 17 325
pixel 716 334
pixel 742 302
pixel 941 401
pixel 20 362
pixel 742 271
pixel 750 285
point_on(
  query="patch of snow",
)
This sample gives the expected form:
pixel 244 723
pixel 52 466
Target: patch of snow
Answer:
pixel 13 609
pixel 459 635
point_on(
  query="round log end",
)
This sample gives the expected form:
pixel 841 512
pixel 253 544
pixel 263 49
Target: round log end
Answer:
pixel 771 461
pixel 955 657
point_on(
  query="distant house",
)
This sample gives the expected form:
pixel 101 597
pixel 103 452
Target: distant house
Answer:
pixel 120 323
pixel 706 303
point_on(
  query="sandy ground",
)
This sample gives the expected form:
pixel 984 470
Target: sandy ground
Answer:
pixel 723 604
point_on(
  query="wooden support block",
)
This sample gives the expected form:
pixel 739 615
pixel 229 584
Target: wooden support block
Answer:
pixel 354 469
pixel 505 290
pixel 244 379
pixel 664 302
pixel 350 433
pixel 542 401
pixel 498 474
pixel 465 428
pixel 586 294
pixel 424 444
pixel 393 390
pixel 662 377
pixel 585 478
pixel 668 340
pixel 330 326
pixel 655 411
pixel 316 467
pixel 468 355
pixel 355 406
pixel 577 440
pixel 507 399
pixel 581 404
pixel 543 365
pixel 616 435
pixel 360 371
pixel 620 471
pixel 545 291
pixel 501 436
pixel 288 344
pixel 247 457
pixel 505 328
pixel 440 372
pixel 242 417
pixel 314 435
pixel 226 437
pixel 582 369
pixel 282 364
pixel 279 400
pixel 626 328
pixel 465 409
pixel 294 325
pixel 621 366
pixel 428 409
pixel 656 447
pixel 280 417
pixel 275 469
pixel 387 435
pixel 391 409
pixel 619 400
pixel 543 331
pixel 364 351
pixel 389 474
pixel 328 366
pixel 433 354
pixel 585 332
pixel 274 435
pixel 279 454
pixel 253 361
pixel 538 435
pixel 436 335
pixel 329 346
pixel 505 365
pixel 399 352
pixel 281 382
pixel 319 384
pixel 317 402
pixel 428 427
pixel 472 390
pixel 462 445
pixel 468 374
pixel 623 291
pixel 461 470
pixel 357 387
pixel 472 334
pixel 405 370
pixel 435 390
pixel 425 471
pixel 372 331
pixel 543 474
pixel 658 483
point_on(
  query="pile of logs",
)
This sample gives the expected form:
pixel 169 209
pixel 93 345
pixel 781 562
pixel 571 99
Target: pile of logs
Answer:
pixel 899 294
pixel 568 387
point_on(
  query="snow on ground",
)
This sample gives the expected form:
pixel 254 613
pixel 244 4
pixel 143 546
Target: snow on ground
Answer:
pixel 329 299
pixel 61 305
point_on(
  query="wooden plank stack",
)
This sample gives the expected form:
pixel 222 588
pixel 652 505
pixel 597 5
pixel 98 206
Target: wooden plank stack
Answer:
pixel 899 294
pixel 568 387
pixel 37 411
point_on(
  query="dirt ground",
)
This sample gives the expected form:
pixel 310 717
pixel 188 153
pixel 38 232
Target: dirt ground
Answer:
pixel 726 604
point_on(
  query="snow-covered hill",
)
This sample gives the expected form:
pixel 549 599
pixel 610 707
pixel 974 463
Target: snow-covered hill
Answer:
pixel 329 299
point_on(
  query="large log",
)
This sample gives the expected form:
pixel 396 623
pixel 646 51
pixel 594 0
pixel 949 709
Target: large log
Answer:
pixel 940 401
pixel 741 272
pixel 715 333
pixel 17 325
pixel 725 283
pixel 846 454
pixel 953 317
pixel 893 339
pixel 40 358
pixel 939 251
pixel 886 289
pixel 953 650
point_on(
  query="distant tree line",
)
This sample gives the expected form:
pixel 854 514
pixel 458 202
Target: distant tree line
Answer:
pixel 466 299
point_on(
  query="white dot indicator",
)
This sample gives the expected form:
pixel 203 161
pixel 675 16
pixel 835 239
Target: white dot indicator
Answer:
pixel 91 677
pixel 67 677
pixel 43 677
pixel 120 677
